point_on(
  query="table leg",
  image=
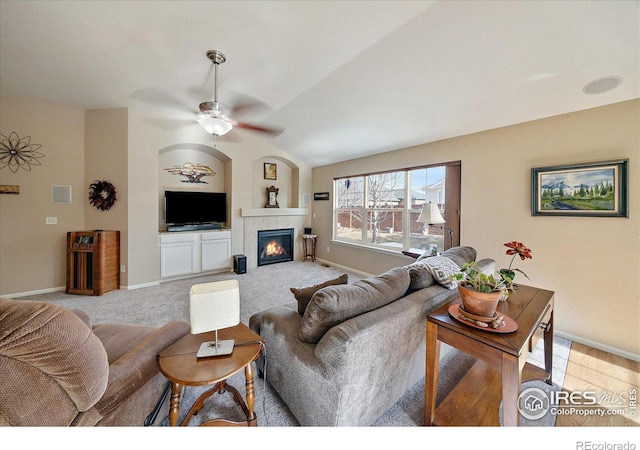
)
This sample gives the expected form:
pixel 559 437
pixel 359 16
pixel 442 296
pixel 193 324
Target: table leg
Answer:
pixel 510 390
pixel 548 350
pixel 431 373
pixel 251 394
pixel 175 404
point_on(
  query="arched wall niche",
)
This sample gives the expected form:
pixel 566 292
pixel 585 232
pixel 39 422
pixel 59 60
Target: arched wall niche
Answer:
pixel 178 155
pixel 287 181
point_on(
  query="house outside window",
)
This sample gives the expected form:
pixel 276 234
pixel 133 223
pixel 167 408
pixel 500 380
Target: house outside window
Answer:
pixel 380 210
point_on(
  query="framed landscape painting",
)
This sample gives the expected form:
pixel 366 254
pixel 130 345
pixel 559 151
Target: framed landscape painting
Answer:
pixel 588 189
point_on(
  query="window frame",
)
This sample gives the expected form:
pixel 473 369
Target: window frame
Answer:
pixel 405 211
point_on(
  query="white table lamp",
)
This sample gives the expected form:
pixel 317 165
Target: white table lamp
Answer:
pixel 213 306
pixel 431 215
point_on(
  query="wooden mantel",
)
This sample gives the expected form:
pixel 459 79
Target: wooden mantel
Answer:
pixel 258 212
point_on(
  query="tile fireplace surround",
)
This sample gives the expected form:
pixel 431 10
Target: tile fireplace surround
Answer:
pixel 272 219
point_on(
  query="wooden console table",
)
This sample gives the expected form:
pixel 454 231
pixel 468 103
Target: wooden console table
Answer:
pixel 502 359
pixel 179 364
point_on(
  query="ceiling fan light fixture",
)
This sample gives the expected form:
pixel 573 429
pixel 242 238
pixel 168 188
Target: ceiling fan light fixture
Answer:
pixel 215 126
pixel 215 117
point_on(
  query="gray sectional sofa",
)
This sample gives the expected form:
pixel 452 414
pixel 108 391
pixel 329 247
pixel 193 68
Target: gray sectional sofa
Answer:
pixel 357 348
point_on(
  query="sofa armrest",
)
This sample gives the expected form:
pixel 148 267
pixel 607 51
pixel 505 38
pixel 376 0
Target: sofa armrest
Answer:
pixel 132 370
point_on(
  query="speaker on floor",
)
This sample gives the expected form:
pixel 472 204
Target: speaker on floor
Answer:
pixel 239 264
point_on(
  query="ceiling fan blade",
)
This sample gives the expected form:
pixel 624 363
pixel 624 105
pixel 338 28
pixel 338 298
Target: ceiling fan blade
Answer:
pixel 273 131
pixel 244 105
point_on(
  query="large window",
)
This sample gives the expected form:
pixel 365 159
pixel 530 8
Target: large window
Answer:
pixel 381 209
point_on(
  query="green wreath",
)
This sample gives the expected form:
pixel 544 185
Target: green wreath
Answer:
pixel 102 195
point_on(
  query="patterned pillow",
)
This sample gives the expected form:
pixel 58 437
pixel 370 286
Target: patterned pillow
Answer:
pixel 442 268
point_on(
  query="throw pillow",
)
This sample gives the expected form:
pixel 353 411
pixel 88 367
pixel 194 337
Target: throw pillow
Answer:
pixel 420 275
pixel 335 304
pixel 461 255
pixel 442 268
pixel 303 295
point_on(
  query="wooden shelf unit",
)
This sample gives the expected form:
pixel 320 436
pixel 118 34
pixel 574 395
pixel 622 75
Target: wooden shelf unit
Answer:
pixel 93 262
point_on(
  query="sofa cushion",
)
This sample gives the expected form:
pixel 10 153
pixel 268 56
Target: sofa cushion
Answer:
pixel 303 295
pixel 332 305
pixel 461 255
pixel 420 275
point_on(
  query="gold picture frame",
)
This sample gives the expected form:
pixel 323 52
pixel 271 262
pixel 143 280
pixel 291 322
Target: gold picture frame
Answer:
pixel 270 171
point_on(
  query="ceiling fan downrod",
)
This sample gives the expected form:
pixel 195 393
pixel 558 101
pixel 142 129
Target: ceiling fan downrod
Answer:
pixel 213 115
pixel 216 58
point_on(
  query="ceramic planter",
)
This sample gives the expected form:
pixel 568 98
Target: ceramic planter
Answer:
pixel 479 303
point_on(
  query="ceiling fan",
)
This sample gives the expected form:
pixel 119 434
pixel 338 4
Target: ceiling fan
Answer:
pixel 217 118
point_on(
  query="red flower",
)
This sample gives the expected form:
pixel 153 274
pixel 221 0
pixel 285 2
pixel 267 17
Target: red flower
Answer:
pixel 518 248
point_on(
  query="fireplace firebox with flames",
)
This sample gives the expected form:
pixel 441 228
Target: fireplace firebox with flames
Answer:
pixel 275 246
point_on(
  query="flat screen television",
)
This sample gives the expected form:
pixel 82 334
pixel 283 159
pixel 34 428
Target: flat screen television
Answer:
pixel 190 207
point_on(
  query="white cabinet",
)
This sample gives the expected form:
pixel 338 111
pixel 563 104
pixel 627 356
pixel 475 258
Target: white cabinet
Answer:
pixel 186 253
pixel 216 251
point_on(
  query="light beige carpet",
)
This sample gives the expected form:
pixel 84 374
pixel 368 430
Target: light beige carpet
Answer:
pixel 260 289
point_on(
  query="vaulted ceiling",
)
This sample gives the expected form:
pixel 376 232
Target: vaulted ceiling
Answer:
pixel 344 79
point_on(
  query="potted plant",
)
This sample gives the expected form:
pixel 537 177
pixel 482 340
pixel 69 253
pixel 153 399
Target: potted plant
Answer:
pixel 480 292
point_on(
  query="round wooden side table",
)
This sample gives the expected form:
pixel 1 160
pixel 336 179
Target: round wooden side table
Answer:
pixel 179 364
pixel 309 245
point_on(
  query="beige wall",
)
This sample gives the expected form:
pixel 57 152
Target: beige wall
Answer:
pixel 591 263
pixel 106 158
pixel 123 146
pixel 32 254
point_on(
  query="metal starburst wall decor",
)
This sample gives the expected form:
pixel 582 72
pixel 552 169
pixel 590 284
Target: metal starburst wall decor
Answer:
pixel 16 152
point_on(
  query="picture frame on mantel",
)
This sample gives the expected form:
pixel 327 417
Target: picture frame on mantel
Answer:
pixel 597 189
pixel 270 171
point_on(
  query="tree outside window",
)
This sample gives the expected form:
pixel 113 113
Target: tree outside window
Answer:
pixel 381 209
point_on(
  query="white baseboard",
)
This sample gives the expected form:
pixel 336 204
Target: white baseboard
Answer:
pixel 63 288
pixel 39 291
pixel 599 346
pixel 351 269
pixel 140 286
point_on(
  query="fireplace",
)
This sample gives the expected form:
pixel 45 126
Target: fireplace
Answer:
pixel 275 246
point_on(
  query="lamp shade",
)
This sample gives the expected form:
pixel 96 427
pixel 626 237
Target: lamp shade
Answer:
pixel 213 306
pixel 430 214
